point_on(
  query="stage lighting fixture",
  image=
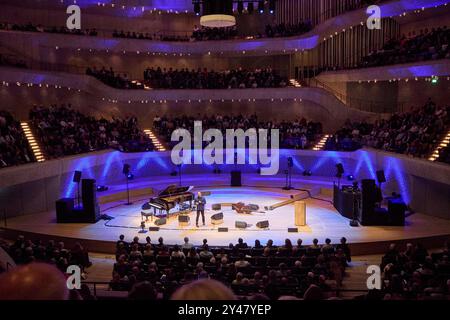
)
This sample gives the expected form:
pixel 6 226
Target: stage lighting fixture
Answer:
pixel 435 80
pixel 271 6
pixel 240 7
pixel 197 8
pixel 250 7
pixel 290 162
pixel 102 188
pixel 261 7
pixel 130 176
pixel 350 177
pixel 307 173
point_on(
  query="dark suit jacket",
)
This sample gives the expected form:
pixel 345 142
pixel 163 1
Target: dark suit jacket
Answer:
pixel 201 201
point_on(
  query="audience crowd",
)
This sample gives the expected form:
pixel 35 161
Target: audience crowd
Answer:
pixel 288 30
pixel 414 133
pixel 204 33
pixel 29 27
pixel 209 79
pixel 112 79
pixel 148 36
pixel 296 134
pixel 14 147
pixel 24 251
pixel 64 131
pixel 254 272
pixel 415 273
pixel 428 45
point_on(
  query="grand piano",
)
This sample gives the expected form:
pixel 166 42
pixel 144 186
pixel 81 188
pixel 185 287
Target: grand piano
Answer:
pixel 166 200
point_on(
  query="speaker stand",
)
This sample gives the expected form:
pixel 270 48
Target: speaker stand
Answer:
pixel 288 180
pixel 128 193
pixel 78 195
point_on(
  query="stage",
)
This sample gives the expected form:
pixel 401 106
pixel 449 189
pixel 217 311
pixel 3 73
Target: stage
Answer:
pixel 323 221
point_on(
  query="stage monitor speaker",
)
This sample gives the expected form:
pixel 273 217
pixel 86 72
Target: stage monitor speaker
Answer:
pixel 262 224
pixel 217 218
pixel 236 179
pixel 153 229
pixel 77 176
pixel 241 224
pixel 300 213
pixel 160 221
pixel 381 177
pixel 223 229
pixel 183 218
pixel 292 230
pixel 126 169
pixel 64 210
pixel 91 210
pixel 216 206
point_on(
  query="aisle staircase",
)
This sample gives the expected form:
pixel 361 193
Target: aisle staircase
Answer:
pixel 38 155
pixel 443 144
pixel 156 142
pixel 321 144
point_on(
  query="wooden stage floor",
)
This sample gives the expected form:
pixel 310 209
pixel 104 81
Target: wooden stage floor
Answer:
pixel 323 221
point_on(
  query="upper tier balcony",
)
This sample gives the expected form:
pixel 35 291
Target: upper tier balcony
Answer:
pixel 399 9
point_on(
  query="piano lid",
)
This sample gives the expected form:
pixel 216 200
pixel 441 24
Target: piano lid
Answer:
pixel 174 190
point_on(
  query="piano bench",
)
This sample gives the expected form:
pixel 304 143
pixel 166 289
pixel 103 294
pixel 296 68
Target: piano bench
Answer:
pixel 146 215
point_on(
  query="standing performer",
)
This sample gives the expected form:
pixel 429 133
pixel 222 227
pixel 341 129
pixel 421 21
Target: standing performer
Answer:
pixel 200 201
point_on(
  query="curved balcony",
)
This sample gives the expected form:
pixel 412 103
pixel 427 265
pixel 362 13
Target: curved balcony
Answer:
pixel 94 97
pixel 310 40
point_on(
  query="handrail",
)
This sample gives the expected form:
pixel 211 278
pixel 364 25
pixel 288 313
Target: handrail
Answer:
pixel 357 103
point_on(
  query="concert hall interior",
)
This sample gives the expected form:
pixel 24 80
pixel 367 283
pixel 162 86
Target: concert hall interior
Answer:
pixel 281 148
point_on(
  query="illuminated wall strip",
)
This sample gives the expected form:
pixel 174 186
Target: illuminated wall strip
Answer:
pixel 321 144
pixel 158 145
pixel 444 144
pixel 39 156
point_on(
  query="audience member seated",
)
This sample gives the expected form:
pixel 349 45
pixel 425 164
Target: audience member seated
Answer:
pixel 112 79
pixel 209 79
pixel 14 147
pixel 296 134
pixel 415 133
pixel 64 131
